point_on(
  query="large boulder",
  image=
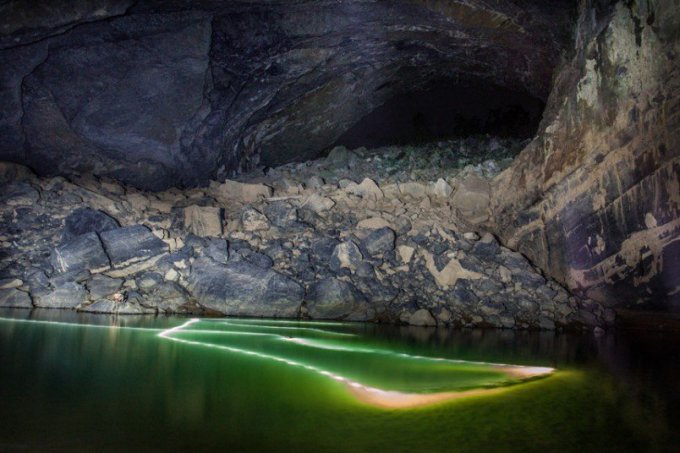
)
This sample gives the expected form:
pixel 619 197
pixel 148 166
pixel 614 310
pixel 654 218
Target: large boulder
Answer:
pixel 87 220
pixel 129 245
pixel 336 299
pixel 66 295
pixel 13 298
pixel 83 252
pixel 240 288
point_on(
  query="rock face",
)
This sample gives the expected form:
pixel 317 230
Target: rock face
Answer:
pixel 595 198
pixel 241 288
pixel 228 85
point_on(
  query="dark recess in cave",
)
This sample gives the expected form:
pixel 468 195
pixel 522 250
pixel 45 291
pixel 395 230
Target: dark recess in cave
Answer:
pixel 447 109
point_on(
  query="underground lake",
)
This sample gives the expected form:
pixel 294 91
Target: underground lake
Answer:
pixel 78 382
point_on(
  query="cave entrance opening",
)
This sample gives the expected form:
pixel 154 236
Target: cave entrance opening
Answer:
pixel 446 109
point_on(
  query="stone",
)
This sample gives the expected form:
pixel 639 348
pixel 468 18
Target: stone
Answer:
pixel 318 203
pixel 406 253
pixel 281 214
pixel 133 244
pixel 331 298
pixel 379 242
pixel 341 157
pixel 314 182
pixel 243 289
pixel 19 194
pixel 471 198
pixel 203 220
pixel 254 220
pixel 441 189
pixel 346 255
pixel 83 252
pixel 422 318
pixel 374 223
pixel 230 191
pixel 101 286
pixel 167 297
pixel 171 275
pixel 217 250
pixel 11 283
pixel 367 189
pixel 413 189
pixel 13 298
pixel 67 295
pixel 486 248
pixel 253 257
pixel 87 220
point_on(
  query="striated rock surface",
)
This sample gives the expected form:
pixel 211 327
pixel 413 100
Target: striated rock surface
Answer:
pixel 595 198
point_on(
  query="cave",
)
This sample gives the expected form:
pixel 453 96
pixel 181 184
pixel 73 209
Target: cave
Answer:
pixel 339 225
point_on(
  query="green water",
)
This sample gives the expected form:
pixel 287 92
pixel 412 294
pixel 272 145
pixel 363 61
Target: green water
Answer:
pixel 96 383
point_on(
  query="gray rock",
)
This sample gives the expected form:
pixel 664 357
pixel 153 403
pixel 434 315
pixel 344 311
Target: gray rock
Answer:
pixel 253 257
pixel 13 298
pixel 336 299
pixel 281 214
pixel 218 250
pixel 87 220
pixel 486 248
pixel 167 297
pixel 379 241
pixel 132 244
pixel 101 286
pixel 68 295
pixel 240 288
pixel 19 194
pixel 83 252
pixel 346 255
pixel 423 318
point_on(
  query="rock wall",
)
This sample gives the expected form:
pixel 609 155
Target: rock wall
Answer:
pixel 160 93
pixel 595 198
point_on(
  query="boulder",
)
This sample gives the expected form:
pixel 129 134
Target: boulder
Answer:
pixel 203 220
pixel 318 203
pixel 13 298
pixel 101 286
pixel 240 288
pixel 336 299
pixel 66 295
pixel 346 255
pixel 368 190
pixel 87 220
pixel 441 189
pixel 129 245
pixel 471 198
pixel 254 220
pixel 83 252
pixel 423 318
pixel 281 214
pixel 379 241
pixel 167 297
pixel 230 191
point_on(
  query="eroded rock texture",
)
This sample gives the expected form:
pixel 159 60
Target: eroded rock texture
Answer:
pixel 595 198
pixel 160 93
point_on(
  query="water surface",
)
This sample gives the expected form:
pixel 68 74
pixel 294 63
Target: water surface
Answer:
pixel 70 382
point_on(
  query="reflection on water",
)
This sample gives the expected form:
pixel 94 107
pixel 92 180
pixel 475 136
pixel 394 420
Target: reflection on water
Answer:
pixel 93 382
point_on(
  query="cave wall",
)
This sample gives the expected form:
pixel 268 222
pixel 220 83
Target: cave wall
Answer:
pixel 595 198
pixel 159 93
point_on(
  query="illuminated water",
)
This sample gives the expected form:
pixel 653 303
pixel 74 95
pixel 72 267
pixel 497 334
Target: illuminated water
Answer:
pixel 92 383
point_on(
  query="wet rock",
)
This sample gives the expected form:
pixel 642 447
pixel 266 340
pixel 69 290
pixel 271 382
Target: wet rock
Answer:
pixel 379 241
pixel 87 220
pixel 13 298
pixel 83 252
pixel 331 298
pixel 242 288
pixel 422 318
pixel 101 286
pixel 132 307
pixel 67 295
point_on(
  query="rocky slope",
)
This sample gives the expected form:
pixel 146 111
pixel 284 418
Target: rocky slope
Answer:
pixel 297 241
